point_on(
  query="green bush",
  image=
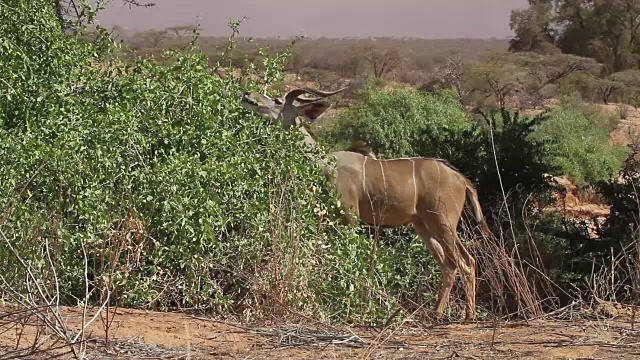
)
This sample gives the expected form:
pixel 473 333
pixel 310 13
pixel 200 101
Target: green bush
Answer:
pixel 396 122
pixel 578 146
pixel 621 227
pixel 177 195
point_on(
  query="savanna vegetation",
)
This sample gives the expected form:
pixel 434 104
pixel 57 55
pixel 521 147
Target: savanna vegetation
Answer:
pixel 131 176
pixel 152 182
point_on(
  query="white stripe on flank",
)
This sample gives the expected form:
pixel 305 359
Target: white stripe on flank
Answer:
pixel 364 185
pixel 414 158
pixel 384 179
pixel 438 185
pixel 415 185
pixel 406 158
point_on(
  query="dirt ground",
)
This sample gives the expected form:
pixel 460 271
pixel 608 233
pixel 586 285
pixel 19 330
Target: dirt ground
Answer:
pixel 139 334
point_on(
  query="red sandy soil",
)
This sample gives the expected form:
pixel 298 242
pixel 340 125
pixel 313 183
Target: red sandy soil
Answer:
pixel 153 335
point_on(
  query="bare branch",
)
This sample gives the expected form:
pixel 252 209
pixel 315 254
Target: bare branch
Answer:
pixel 133 3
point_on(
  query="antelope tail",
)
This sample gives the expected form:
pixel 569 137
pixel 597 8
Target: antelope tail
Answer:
pixel 472 196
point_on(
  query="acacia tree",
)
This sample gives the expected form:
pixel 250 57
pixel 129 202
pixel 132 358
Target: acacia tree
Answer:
pixel 493 81
pixel 153 37
pixel 383 60
pixel 550 69
pixel 606 88
pixel 630 86
pixel 182 31
pixel 607 30
pixel 501 79
pixel 450 74
pixel 533 28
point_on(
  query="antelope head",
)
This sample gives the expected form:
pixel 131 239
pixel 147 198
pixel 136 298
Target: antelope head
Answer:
pixel 289 107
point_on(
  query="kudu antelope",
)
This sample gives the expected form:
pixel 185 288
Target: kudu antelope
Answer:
pixel 428 193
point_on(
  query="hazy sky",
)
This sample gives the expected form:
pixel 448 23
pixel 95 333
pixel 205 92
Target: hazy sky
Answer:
pixel 331 18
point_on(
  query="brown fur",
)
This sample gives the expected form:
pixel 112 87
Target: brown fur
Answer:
pixel 428 193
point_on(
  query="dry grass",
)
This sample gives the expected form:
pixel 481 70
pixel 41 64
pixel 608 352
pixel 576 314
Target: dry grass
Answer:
pixel 572 332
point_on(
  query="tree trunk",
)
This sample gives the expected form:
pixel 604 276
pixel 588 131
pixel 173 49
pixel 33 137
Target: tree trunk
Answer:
pixel 59 13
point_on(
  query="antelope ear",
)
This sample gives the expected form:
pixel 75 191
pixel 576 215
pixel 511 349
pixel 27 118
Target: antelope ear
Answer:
pixel 314 110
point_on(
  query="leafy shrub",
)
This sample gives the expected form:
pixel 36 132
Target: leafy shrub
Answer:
pixel 506 145
pixel 578 146
pixel 166 145
pixel 580 84
pixel 394 122
pixel 622 225
pixel 177 195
